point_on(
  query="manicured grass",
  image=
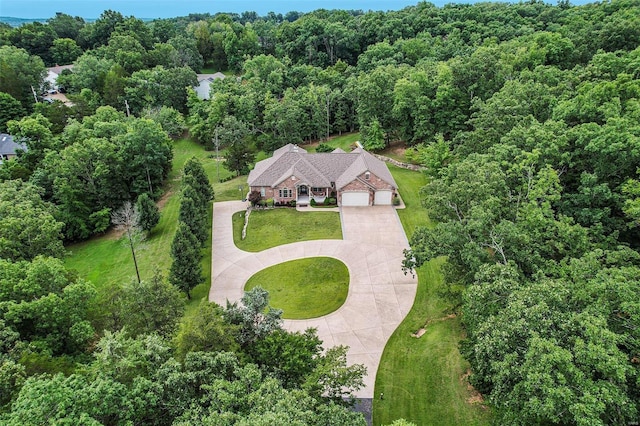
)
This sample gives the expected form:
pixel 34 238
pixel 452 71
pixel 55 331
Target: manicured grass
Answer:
pixel 305 288
pixel 345 142
pixel 211 70
pixel 422 378
pixel 106 260
pixel 271 228
pixel 414 214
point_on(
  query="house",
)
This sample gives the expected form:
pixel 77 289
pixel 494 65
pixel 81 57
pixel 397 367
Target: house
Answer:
pixel 8 147
pixel 356 178
pixel 204 84
pixel 52 76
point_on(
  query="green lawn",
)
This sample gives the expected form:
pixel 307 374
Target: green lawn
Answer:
pixel 305 288
pixel 422 378
pixel 271 228
pixel 208 69
pixel 106 260
pixel 345 142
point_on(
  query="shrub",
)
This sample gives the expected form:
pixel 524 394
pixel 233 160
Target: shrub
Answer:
pixel 396 201
pixel 313 202
pixel 270 202
pixel 292 203
pixel 254 197
pixel 331 201
pixel 323 147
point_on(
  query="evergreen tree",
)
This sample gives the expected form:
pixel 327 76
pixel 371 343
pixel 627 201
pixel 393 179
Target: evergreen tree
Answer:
pixel 193 214
pixel 200 181
pixel 185 272
pixel 149 213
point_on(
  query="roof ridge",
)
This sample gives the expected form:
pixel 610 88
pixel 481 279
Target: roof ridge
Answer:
pixel 314 168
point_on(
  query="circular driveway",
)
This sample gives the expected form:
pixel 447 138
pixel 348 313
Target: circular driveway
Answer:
pixel 379 297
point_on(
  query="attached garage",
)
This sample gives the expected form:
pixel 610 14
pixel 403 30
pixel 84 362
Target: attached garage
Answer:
pixel 383 198
pixel 355 199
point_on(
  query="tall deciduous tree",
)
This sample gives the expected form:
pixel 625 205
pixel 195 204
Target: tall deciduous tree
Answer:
pixel 255 317
pixel 10 109
pixel 21 74
pixel 151 306
pixel 46 305
pixel 185 272
pixel 206 331
pixel 28 227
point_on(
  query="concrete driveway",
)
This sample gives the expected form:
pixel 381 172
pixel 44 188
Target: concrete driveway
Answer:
pixel 379 297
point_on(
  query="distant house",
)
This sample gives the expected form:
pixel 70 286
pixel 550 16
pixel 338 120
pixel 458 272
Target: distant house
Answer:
pixel 53 73
pixel 356 178
pixel 8 147
pixel 204 84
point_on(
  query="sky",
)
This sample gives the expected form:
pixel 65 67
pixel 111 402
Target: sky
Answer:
pixel 171 8
pixel 88 9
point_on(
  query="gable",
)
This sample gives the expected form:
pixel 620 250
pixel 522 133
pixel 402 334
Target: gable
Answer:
pixel 320 169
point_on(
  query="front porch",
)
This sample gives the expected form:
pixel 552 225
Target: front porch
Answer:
pixel 305 194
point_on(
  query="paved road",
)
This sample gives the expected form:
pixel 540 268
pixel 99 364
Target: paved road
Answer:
pixel 379 297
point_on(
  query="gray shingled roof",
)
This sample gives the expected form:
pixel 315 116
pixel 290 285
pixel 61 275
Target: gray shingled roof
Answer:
pixel 8 146
pixel 318 169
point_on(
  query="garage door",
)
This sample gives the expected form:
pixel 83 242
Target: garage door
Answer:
pixel 382 198
pixel 355 199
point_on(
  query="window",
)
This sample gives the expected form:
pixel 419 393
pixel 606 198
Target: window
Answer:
pixel 367 175
pixel 317 189
pixel 263 192
pixel 285 193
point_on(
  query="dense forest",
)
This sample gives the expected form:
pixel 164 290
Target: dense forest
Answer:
pixel 525 117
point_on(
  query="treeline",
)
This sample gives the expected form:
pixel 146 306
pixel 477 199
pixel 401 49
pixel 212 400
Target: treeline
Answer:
pixel 536 202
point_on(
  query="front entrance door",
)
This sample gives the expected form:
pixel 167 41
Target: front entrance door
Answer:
pixel 304 190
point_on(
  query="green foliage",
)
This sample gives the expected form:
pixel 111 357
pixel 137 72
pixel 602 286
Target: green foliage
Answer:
pixel 169 119
pixel 206 331
pixel 160 87
pixel 288 357
pixel 64 51
pixel 193 168
pixel 254 316
pixel 10 109
pixel 35 132
pixel 193 210
pixel 46 305
pixel 148 306
pixel 20 71
pixel 107 160
pixel 323 147
pixel 373 134
pixel 28 227
pixel 149 213
pixel 185 272
pixel 560 340
pixel 238 157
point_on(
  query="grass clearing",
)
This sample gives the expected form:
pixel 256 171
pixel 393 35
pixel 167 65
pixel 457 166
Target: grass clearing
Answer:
pixel 422 378
pixel 304 288
pixel 345 142
pixel 106 260
pixel 275 227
